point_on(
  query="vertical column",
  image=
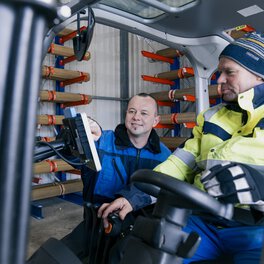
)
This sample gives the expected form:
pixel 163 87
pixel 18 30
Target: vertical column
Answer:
pixel 124 73
pixel 22 45
pixel 59 111
pixel 176 107
pixel 201 93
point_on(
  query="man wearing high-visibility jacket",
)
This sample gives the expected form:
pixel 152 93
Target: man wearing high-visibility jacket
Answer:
pixel 225 157
pixel 228 146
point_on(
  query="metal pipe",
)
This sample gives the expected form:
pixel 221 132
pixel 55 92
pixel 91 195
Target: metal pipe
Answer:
pixel 94 97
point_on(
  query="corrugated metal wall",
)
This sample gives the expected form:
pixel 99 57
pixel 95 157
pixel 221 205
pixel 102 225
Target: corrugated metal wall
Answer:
pixel 139 65
pixel 104 70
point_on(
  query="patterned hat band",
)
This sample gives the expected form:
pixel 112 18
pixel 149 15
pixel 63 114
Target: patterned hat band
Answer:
pixel 248 52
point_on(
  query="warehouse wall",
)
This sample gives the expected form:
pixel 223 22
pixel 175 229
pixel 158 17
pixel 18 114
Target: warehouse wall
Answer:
pixel 141 65
pixel 104 70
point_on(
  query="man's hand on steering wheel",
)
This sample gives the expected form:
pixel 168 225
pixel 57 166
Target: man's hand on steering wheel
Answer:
pixel 232 182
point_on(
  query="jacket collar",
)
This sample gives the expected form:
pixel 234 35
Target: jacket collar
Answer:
pixel 253 97
pixel 122 140
pixel 258 98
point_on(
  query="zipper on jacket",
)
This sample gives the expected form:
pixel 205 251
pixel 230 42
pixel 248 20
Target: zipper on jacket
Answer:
pixel 137 159
pixel 118 171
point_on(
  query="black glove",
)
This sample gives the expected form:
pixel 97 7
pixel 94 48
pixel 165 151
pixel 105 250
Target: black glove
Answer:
pixel 234 183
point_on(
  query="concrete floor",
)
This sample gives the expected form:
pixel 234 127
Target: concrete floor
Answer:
pixel 60 217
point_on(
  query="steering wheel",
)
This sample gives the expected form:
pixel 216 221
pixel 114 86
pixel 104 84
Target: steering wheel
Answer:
pixel 186 195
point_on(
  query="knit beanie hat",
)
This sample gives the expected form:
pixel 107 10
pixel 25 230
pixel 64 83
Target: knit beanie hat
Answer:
pixel 247 51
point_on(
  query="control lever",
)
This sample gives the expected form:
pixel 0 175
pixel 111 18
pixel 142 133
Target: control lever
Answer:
pixel 115 225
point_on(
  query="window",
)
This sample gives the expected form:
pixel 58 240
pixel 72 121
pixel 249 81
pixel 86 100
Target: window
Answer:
pixel 148 8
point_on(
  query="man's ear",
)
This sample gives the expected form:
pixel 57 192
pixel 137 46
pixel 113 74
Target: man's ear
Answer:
pixel 156 120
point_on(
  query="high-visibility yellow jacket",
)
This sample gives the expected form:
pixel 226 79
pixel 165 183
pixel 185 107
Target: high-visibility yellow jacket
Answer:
pixel 225 132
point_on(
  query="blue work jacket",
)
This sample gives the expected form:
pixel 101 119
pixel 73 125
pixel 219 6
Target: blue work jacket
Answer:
pixel 119 159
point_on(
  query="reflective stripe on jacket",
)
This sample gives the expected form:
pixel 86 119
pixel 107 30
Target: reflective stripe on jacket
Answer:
pixel 225 132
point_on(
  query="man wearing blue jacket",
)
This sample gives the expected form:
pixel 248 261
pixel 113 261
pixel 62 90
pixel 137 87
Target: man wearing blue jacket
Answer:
pixel 132 146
